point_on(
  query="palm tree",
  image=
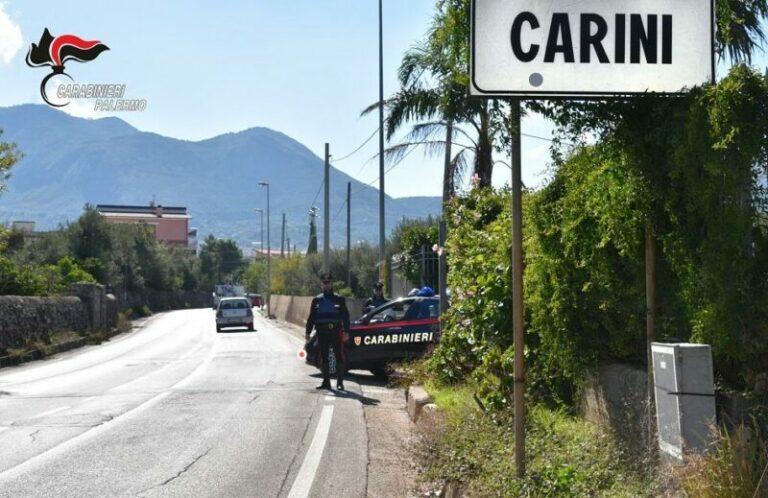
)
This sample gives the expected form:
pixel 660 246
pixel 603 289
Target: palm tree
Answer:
pixel 433 78
pixel 739 30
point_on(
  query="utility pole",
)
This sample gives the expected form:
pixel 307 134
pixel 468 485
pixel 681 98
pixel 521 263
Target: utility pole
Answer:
pixel 349 233
pixel 327 213
pixel 443 270
pixel 282 240
pixel 442 234
pixel 382 234
pixel 288 246
pixel 650 325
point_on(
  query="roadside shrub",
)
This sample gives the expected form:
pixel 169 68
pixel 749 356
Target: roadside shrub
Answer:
pixel 479 319
pixel 123 320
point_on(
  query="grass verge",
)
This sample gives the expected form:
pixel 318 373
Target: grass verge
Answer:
pixel 566 456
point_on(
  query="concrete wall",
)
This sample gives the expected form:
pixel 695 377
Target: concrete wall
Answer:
pixel 295 309
pixel 616 398
pixel 25 317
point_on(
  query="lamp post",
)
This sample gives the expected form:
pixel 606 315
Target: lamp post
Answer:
pixel 261 213
pixel 382 234
pixel 269 255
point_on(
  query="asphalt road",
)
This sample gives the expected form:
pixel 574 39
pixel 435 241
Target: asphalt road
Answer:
pixel 174 409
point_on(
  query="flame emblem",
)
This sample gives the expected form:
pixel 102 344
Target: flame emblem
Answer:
pixel 57 51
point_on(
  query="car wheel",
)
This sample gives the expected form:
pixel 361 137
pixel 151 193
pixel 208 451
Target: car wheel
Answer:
pixel 218 329
pixel 250 328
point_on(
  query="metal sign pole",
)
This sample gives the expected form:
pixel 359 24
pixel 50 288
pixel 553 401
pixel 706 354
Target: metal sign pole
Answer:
pixel 518 323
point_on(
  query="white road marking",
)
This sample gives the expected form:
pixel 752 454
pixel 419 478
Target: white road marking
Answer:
pixel 305 477
pixel 29 465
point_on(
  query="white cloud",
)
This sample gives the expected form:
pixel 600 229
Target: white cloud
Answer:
pixel 10 36
pixel 83 109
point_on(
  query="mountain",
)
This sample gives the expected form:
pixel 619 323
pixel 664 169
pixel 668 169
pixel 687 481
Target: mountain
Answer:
pixel 70 161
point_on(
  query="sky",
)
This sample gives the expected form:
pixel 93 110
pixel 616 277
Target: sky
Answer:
pixel 305 68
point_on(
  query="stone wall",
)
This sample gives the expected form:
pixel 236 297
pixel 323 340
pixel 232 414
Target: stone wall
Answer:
pixel 165 300
pixel 295 309
pixel 94 300
pixel 25 317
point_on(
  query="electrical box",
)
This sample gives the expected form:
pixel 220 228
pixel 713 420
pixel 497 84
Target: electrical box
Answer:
pixel 685 397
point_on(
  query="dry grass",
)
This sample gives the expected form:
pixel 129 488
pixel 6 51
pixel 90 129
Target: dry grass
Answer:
pixel 124 321
pixel 64 336
pixel 735 468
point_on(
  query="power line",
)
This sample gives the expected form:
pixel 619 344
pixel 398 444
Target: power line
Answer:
pixel 394 165
pixel 339 211
pixel 317 194
pixel 358 149
pixel 373 181
pixel 542 138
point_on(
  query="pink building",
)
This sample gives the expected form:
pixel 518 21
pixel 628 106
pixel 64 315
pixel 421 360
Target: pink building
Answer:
pixel 170 224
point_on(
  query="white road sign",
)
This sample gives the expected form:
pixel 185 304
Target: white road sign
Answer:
pixel 590 47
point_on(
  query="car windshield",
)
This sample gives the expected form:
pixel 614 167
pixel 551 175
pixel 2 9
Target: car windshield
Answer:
pixel 393 312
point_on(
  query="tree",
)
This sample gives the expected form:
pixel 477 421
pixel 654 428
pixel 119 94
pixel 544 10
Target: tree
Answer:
pixel 9 155
pixel 312 245
pixel 413 240
pixel 433 78
pixel 255 277
pixel 221 261
pixel 90 242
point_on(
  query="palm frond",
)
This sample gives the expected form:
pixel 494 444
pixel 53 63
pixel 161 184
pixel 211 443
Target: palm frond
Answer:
pixel 740 29
pixel 409 105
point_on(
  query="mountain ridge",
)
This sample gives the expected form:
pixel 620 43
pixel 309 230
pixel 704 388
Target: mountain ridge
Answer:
pixel 70 161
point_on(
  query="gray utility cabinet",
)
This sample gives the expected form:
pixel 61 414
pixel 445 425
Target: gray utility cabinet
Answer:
pixel 685 397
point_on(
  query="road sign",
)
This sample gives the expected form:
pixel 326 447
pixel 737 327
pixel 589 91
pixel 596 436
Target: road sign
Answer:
pixel 590 47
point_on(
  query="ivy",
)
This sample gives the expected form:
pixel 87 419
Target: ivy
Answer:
pixel 690 167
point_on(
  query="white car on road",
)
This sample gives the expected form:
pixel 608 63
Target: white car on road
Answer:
pixel 234 312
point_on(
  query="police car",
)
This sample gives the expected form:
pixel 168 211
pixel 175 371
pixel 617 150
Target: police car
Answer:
pixel 399 330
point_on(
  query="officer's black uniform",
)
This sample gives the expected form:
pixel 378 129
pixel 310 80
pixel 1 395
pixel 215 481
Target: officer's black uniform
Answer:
pixel 329 316
pixel 375 301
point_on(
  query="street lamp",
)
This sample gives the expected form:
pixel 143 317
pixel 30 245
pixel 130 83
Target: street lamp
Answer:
pixel 382 231
pixel 269 255
pixel 261 213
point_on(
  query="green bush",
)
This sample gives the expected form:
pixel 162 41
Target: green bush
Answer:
pixel 479 319
pixel 684 170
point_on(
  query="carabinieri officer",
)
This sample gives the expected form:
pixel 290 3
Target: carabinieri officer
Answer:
pixel 328 314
